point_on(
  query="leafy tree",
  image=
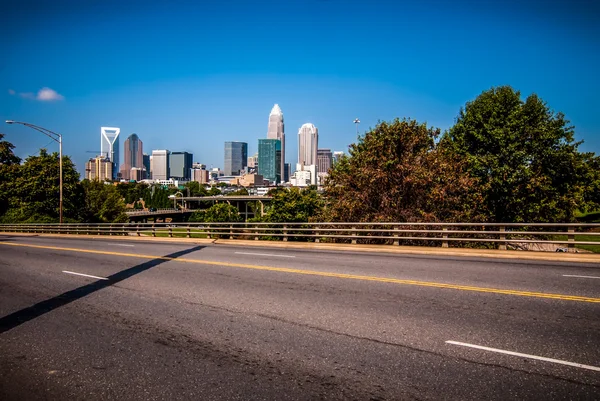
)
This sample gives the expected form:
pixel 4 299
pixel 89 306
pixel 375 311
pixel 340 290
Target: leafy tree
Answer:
pixel 214 191
pixel 240 192
pixel 397 173
pixel 196 189
pixel 222 212
pixel 104 203
pixel 9 171
pixel 36 190
pixel 294 205
pixel 524 158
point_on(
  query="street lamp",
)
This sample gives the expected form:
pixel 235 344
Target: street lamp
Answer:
pixel 58 138
pixel 175 199
pixel 357 122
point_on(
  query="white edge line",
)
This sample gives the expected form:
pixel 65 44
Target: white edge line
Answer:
pixel 121 244
pixel 265 254
pixel 573 275
pixel 539 358
pixel 84 275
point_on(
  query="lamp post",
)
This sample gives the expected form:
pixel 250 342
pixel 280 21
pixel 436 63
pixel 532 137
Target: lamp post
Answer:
pixel 357 122
pixel 58 138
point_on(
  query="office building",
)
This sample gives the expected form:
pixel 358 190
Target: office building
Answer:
pixel 99 168
pixel 308 138
pixel 159 165
pixel 324 161
pixel 133 156
pixel 109 147
pixel 269 159
pixel 337 155
pixel 146 163
pixel 200 175
pixel 276 130
pixel 180 165
pixel 236 158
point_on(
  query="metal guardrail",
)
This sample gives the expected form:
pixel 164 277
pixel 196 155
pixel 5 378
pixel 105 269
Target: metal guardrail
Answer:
pixel 156 211
pixel 498 235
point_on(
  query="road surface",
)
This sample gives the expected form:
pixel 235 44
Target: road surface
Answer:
pixel 100 319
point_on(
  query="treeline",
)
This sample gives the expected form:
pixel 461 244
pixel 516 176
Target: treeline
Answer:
pixel 506 159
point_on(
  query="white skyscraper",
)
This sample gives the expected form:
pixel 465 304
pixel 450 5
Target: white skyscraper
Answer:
pixel 109 146
pixel 160 164
pixel 308 139
pixel 276 131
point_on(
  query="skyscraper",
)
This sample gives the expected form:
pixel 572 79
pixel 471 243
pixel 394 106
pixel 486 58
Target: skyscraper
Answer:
pixel 160 164
pixel 276 130
pixel 133 156
pixel 269 159
pixel 324 161
pixel 146 162
pixel 109 146
pixel 308 138
pixel 180 166
pixel 236 157
pixel 99 168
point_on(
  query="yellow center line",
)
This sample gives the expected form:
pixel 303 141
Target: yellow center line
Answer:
pixel 563 297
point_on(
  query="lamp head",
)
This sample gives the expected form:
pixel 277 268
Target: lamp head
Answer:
pixel 9 121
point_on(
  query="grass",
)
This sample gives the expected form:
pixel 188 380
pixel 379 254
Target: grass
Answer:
pixel 583 237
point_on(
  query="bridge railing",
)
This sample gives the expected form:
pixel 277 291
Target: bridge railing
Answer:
pixel 527 236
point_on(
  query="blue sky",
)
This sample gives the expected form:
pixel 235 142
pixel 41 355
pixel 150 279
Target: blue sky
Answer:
pixel 188 76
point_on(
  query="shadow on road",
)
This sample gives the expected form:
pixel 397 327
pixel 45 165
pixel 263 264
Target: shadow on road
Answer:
pixel 15 319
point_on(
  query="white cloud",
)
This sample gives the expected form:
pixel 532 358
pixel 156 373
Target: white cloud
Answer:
pixel 48 95
pixel 11 92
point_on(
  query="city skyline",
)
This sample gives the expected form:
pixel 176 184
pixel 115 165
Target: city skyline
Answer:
pixel 178 90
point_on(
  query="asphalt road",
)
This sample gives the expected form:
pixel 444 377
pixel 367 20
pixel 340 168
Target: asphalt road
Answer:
pixel 168 321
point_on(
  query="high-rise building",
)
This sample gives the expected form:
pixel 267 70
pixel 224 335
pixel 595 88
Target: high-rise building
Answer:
pixel 324 161
pixel 253 160
pixel 200 175
pixel 337 155
pixel 160 165
pixel 269 159
pixel 308 139
pixel 236 157
pixel 146 163
pixel 109 146
pixel 99 168
pixel 133 156
pixel 180 166
pixel 276 130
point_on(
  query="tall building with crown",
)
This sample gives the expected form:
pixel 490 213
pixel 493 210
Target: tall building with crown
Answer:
pixel 276 130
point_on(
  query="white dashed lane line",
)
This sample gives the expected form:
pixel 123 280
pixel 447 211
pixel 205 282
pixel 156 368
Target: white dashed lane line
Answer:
pixel 84 275
pixel 528 356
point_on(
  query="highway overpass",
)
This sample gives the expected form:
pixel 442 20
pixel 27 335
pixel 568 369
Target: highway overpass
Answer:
pixel 104 318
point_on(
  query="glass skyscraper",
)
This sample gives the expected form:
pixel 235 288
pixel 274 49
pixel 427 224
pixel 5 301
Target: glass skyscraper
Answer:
pixel 133 155
pixel 308 139
pixel 236 157
pixel 269 159
pixel 180 165
pixel 109 146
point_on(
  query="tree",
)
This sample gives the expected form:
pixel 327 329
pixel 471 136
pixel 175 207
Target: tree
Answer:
pixel 9 171
pixel 103 203
pixel 524 157
pixel 240 192
pixel 222 212
pixel 397 173
pixel 294 205
pixel 195 189
pixel 36 193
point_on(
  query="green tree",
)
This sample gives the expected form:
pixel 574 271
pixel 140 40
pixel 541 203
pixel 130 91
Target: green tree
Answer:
pixel 36 193
pixel 214 191
pixel 103 203
pixel 196 189
pixel 222 212
pixel 524 157
pixel 294 205
pixel 397 173
pixel 240 192
pixel 9 171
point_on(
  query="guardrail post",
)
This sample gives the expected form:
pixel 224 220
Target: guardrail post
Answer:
pixel 189 234
pixel 137 229
pixel 396 241
pixel 445 237
pixel 285 232
pixel 317 233
pixel 231 231
pixel 571 238
pixel 170 231
pixel 256 232
pixel 354 234
pixel 153 230
pixel 502 245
